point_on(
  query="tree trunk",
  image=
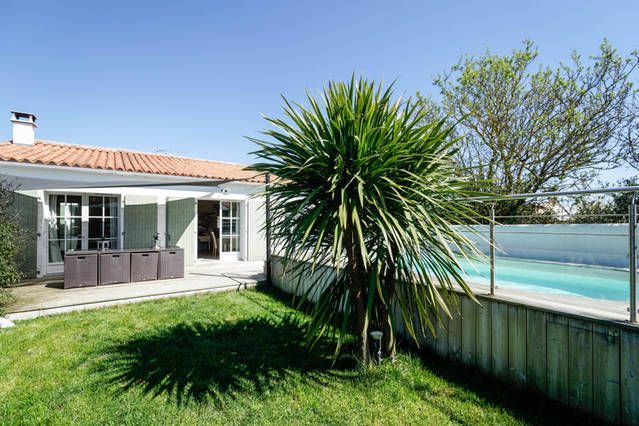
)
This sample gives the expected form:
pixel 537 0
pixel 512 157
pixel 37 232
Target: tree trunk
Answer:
pixel 388 340
pixel 358 295
pixel 361 323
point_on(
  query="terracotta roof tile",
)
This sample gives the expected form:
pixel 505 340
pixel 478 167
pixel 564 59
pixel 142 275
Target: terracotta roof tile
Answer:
pixel 60 154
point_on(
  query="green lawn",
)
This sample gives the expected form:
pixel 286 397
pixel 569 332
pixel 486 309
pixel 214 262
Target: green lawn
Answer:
pixel 230 358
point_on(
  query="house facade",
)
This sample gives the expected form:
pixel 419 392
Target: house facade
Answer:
pixel 74 197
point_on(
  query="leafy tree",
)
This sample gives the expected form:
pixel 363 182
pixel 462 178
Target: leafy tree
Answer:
pixel 527 130
pixel 10 242
pixel 365 184
pixel 610 209
pixel 630 135
pixel 589 209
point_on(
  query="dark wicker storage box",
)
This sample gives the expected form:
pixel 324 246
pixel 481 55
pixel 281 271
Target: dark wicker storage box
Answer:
pixel 115 268
pixel 171 264
pixel 80 270
pixel 144 266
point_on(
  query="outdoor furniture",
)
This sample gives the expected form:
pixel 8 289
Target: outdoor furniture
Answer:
pixel 144 266
pixel 103 267
pixel 114 268
pixel 171 264
pixel 80 269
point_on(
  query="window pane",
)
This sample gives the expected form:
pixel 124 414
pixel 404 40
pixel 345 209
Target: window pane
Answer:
pixel 110 228
pixel 235 243
pixel 111 206
pixel 56 205
pixel 95 227
pixel 74 204
pixel 226 226
pixel 73 245
pixel 93 244
pixel 95 206
pixel 226 211
pixel 56 252
pixel 56 228
pixel 234 227
pixel 74 229
pixel 226 244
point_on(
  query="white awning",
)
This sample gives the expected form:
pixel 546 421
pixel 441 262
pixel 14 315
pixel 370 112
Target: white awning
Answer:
pixel 23 176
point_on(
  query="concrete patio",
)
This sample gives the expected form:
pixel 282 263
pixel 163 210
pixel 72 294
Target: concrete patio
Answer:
pixel 47 297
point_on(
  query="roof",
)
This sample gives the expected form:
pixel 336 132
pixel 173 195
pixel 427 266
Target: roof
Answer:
pixel 88 157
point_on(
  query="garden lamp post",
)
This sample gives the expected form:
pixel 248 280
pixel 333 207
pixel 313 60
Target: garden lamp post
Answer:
pixel 377 345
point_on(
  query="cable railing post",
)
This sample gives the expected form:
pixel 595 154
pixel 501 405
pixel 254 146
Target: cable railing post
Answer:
pixel 492 249
pixel 632 252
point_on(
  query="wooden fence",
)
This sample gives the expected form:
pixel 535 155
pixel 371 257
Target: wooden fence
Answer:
pixel 587 363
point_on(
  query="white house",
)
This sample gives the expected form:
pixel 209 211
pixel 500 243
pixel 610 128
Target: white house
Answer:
pixel 78 197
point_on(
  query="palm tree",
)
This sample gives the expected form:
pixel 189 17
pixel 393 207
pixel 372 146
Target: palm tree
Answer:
pixel 365 186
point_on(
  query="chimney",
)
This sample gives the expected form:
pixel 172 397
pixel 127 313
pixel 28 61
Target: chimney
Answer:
pixel 23 127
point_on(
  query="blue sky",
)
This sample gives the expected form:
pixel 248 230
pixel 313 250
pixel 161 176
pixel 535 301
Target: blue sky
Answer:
pixel 193 77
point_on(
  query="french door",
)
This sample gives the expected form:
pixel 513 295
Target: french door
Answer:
pixel 230 229
pixel 79 221
pixel 65 225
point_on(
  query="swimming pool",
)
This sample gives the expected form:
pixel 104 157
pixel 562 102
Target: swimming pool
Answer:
pixel 547 277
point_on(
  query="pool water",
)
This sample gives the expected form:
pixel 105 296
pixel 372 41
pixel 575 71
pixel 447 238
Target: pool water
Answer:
pixel 545 277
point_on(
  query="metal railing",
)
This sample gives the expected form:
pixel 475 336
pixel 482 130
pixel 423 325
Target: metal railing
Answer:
pixel 631 235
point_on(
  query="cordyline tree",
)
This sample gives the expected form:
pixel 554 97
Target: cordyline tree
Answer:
pixel 528 129
pixel 365 185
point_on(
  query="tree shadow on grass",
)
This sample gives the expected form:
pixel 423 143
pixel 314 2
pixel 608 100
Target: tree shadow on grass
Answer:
pixel 218 360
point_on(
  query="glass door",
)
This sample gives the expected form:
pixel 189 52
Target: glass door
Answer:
pixel 230 227
pixel 78 222
pixel 104 214
pixel 65 225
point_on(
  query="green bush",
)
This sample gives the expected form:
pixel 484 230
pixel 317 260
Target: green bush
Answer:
pixel 10 244
pixel 9 248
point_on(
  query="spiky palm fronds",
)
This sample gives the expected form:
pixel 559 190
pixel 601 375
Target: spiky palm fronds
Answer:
pixel 365 186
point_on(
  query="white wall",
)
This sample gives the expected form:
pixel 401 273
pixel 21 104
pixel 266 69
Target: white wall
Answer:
pixel 256 235
pixel 589 244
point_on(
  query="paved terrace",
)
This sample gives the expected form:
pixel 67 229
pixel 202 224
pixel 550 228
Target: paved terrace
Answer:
pixel 47 297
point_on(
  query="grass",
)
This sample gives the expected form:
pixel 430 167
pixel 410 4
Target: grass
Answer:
pixel 5 299
pixel 230 358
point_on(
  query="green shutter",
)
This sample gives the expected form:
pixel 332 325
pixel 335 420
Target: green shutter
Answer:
pixel 181 226
pixel 140 221
pixel 25 209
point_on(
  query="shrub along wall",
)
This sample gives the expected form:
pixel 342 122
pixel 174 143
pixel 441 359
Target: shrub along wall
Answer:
pixel 587 363
pixel 25 209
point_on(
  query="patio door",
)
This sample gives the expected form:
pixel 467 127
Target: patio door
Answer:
pixel 65 225
pixel 229 230
pixel 78 222
pixel 104 219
